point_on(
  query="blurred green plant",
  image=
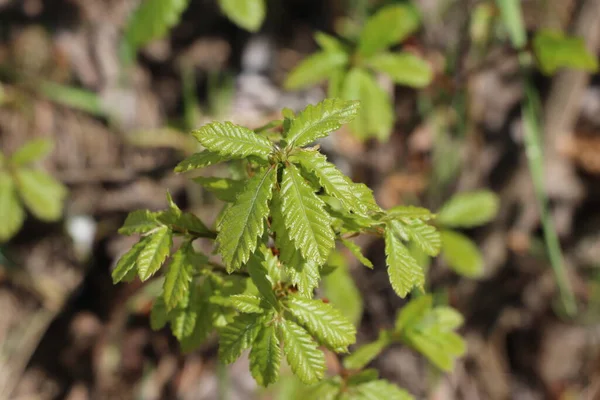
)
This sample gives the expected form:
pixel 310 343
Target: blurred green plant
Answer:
pixel 248 14
pixel 350 66
pixel 276 238
pixel 24 186
pixel 555 50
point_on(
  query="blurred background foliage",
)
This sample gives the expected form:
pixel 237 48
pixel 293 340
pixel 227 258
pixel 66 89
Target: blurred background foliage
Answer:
pixel 487 112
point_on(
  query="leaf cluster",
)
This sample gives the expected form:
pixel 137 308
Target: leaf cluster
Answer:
pixel 350 66
pixel 22 185
pixel 275 239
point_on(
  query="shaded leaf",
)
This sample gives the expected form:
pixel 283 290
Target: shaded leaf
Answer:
pixel 357 252
pixel 139 221
pixel 247 304
pixel 232 141
pixel 259 275
pixel 368 352
pixel 243 223
pixel 158 315
pixel 179 275
pixel 128 261
pixel 12 214
pixel 461 254
pixel 238 336
pixel 317 121
pixel 265 356
pixel 200 160
pixel 381 389
pixel 340 289
pixel 224 189
pixel 315 68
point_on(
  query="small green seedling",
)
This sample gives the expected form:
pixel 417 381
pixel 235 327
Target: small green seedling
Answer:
pixel 275 237
pixel 350 68
pixel 22 185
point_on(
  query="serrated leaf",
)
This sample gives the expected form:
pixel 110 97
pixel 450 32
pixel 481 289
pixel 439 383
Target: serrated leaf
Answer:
pixel 364 194
pixel 340 289
pixel 317 121
pixel 404 68
pixel 469 209
pixel 155 252
pixel 238 336
pixel 412 313
pixel 307 362
pixel 200 160
pixel 376 117
pixel 139 221
pixel 368 352
pixel 31 151
pixel 12 214
pixel 357 252
pixel 380 389
pixel 128 261
pixel 243 223
pixel 259 275
pixel 224 189
pixel 265 356
pixel 331 179
pixel 183 321
pixel 249 14
pixel 309 226
pixel 461 254
pixel 152 20
pixel 315 68
pixel 42 194
pixel 159 315
pixel 403 270
pixel 205 314
pixel 323 321
pixel 247 304
pixel 305 276
pixel 179 275
pixel 389 26
pixel 403 211
pixel 423 235
pixel 554 50
pixel 233 141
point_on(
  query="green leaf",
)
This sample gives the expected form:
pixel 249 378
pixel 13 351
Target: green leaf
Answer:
pixel 380 389
pixel 447 318
pixel 249 14
pixel 12 214
pixel 469 209
pixel 365 196
pixel 336 81
pixel 152 20
pixel 128 261
pixel 305 275
pixel 331 179
pixel 423 235
pixel 554 50
pixel 183 221
pixel 323 321
pixel 317 121
pixel 265 356
pixel 183 320
pixel 247 304
pixel 224 189
pixel 43 195
pixel 238 336
pixel 403 270
pixel 153 255
pixel 139 221
pixel 307 362
pixel 259 275
pixel 200 160
pixel 367 375
pixel 179 275
pixel 205 314
pixel 341 291
pixel 438 346
pixel 510 11
pixel 315 68
pixel 412 313
pixel 33 150
pixel 329 43
pixel 403 211
pixel 243 223
pixel 377 116
pixel 233 141
pixel 461 254
pixel 368 352
pixel 357 252
pixel 404 68
pixel 309 226
pixel 389 26
pixel 158 315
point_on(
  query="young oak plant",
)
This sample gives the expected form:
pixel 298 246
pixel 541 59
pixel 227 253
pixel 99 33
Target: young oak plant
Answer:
pixel 274 238
pixel 351 65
